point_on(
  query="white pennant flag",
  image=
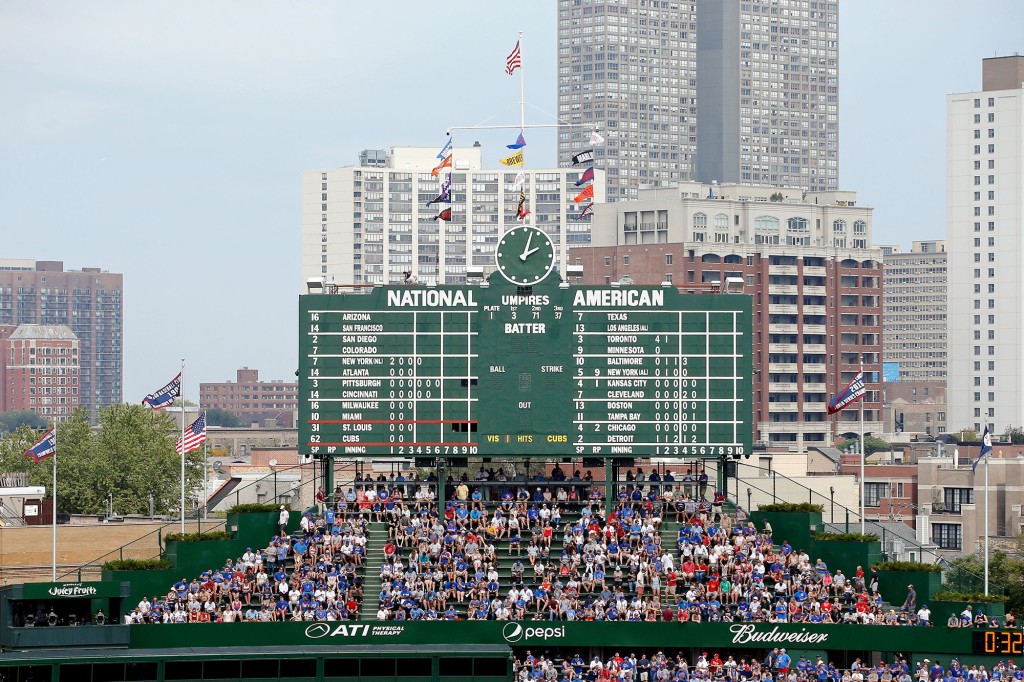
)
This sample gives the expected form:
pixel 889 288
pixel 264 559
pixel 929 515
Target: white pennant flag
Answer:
pixel 520 181
pixel 595 138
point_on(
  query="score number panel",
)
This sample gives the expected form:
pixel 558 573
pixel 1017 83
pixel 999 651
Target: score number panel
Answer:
pixel 498 370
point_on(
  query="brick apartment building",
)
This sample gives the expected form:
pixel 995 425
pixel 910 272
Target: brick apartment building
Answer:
pixel 252 400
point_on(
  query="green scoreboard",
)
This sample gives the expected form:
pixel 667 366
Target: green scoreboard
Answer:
pixel 507 369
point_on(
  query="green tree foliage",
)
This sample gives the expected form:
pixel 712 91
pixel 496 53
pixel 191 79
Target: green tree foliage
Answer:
pixel 10 421
pixel 871 444
pixel 1014 435
pixel 1004 570
pixel 218 417
pixel 131 454
pixel 966 436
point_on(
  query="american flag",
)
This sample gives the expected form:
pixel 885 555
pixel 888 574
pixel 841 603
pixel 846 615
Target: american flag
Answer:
pixel 195 435
pixel 514 60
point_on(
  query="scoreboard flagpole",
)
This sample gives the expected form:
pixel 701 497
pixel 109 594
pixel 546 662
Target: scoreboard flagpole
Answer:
pixel 862 455
pixel 182 454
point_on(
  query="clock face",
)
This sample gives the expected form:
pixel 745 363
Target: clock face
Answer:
pixel 525 255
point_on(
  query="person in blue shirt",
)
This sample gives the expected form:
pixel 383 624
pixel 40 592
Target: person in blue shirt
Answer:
pixel 783 661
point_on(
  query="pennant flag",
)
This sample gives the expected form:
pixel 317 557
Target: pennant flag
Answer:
pixel 44 447
pixel 446 184
pixel 587 176
pixel 583 157
pixel 444 215
pixel 852 392
pixel 195 435
pixel 521 211
pixel 514 60
pixel 162 398
pixel 520 143
pixel 587 193
pixel 587 210
pixel 520 181
pixel 595 138
pixel 986 448
pixel 514 160
pixel 446 163
pixel 445 197
pixel 445 149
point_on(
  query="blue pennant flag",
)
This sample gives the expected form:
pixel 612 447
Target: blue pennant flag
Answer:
pixel 446 149
pixel 587 176
pixel 986 448
pixel 163 397
pixel 44 447
pixel 520 143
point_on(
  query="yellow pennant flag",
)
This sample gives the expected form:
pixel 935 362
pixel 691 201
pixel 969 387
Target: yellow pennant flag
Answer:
pixel 514 160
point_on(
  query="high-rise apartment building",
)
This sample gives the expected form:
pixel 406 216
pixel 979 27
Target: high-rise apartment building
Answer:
pixel 810 267
pixel 734 91
pixel 629 68
pixel 985 246
pixel 370 223
pixel 914 321
pixel 768 93
pixel 88 301
pixel 39 370
pixel 252 400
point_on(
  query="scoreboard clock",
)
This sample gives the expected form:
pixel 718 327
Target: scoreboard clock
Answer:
pixel 525 366
pixel 998 642
pixel 525 256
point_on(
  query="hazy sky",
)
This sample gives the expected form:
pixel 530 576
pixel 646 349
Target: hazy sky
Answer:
pixel 166 139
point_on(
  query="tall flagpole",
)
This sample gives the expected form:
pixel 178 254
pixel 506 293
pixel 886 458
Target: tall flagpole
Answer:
pixel 862 455
pixel 182 455
pixel 522 86
pixel 54 513
pixel 206 485
pixel 988 456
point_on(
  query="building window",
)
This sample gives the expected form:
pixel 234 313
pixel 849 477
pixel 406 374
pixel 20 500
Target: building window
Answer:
pixel 947 535
pixel 874 493
pixel 952 498
pixel 625 260
pixel 607 261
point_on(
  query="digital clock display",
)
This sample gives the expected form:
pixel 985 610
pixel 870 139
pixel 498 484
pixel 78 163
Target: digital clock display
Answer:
pixel 999 642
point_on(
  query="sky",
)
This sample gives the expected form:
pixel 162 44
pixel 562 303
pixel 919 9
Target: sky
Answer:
pixel 165 140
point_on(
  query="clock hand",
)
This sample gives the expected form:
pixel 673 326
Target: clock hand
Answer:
pixel 531 251
pixel 526 250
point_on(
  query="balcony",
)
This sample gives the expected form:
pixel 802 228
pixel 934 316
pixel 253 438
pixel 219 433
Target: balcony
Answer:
pixel 783 367
pixel 814 387
pixel 814 348
pixel 783 289
pixel 814 291
pixel 814 329
pixel 782 387
pixel 815 407
pixel 814 368
pixel 782 309
pixel 814 310
pixel 788 328
pixel 782 270
pixel 784 407
pixel 818 270
pixel 782 348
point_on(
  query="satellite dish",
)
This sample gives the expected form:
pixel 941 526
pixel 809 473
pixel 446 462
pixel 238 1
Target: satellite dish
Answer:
pixel 272 462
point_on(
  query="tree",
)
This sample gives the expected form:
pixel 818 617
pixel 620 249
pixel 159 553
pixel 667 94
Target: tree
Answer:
pixel 10 421
pixel 871 444
pixel 966 574
pixel 1014 435
pixel 131 456
pixel 966 436
pixel 218 417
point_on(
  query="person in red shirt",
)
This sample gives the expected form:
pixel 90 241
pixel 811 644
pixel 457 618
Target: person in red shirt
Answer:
pixel 688 568
pixel 715 664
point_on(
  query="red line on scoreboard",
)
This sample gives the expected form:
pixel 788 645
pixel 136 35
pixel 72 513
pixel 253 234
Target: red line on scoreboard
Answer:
pixel 392 421
pixel 398 444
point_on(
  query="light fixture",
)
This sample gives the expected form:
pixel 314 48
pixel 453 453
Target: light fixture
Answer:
pixel 315 285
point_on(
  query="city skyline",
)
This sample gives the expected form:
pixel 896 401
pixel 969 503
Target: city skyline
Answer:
pixel 167 142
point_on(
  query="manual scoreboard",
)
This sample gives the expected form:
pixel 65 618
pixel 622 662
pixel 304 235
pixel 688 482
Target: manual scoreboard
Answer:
pixel 507 369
